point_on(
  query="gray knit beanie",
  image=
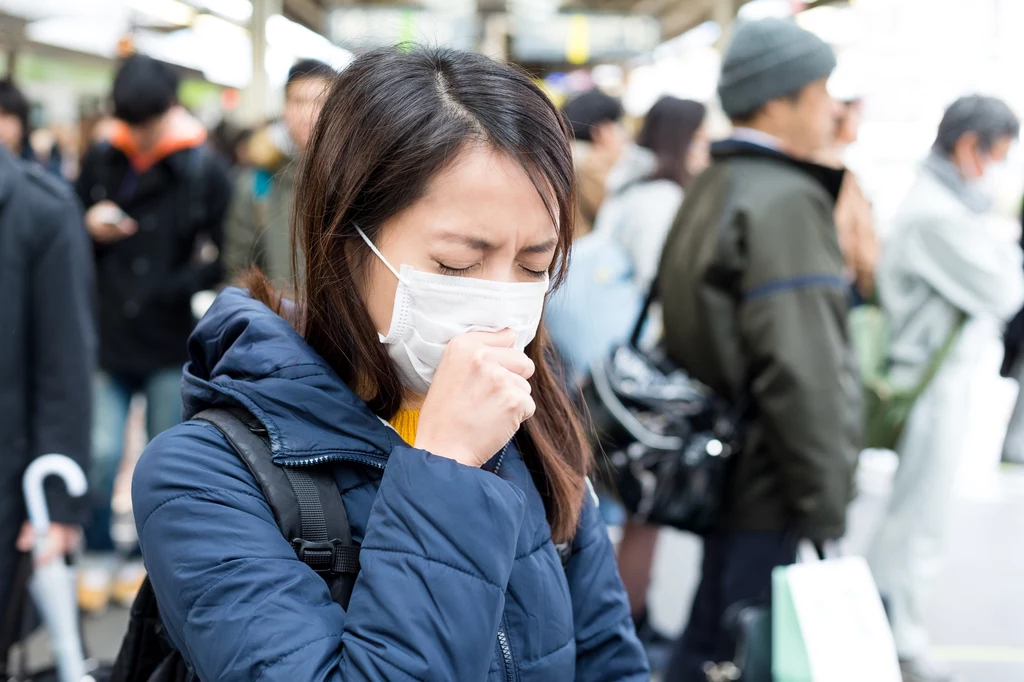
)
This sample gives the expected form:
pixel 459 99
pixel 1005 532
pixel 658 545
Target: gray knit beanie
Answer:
pixel 768 59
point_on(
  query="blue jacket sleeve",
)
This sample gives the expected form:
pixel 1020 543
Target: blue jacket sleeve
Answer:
pixel 239 605
pixel 607 647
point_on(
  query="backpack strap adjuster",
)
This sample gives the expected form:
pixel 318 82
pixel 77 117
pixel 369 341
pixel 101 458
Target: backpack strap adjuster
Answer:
pixel 331 556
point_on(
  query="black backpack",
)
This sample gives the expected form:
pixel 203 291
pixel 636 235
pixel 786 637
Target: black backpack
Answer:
pixel 308 510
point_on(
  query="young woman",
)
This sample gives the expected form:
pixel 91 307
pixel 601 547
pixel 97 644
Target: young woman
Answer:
pixel 645 191
pixel 434 207
pixel 645 188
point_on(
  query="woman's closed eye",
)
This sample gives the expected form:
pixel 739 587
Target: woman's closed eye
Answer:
pixel 456 271
pixel 534 274
pixel 451 270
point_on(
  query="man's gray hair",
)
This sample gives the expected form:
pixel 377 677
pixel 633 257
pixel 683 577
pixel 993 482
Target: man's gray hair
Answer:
pixel 989 118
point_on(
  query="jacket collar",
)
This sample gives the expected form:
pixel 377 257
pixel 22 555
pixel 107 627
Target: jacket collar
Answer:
pixel 242 353
pixel 831 179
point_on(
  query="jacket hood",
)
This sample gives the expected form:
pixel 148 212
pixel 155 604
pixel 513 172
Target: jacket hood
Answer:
pixel 183 132
pixel 271 148
pixel 243 354
pixel 635 165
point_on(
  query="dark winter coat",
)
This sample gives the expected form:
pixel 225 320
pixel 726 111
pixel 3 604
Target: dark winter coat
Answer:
pixel 755 305
pixel 146 281
pixel 459 579
pixel 47 340
pixel 1014 337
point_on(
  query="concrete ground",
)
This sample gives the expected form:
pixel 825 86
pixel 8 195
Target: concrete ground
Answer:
pixel 977 615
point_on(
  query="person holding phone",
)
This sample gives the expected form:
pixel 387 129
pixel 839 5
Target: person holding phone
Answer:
pixel 434 210
pixel 154 197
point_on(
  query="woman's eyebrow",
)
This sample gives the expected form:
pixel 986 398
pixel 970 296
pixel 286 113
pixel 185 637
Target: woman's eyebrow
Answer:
pixel 481 244
pixel 540 248
pixel 475 243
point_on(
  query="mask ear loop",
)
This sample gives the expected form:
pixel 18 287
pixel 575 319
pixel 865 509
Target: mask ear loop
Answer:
pixel 377 252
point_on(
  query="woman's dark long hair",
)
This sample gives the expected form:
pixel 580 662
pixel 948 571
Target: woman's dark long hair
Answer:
pixel 392 121
pixel 668 131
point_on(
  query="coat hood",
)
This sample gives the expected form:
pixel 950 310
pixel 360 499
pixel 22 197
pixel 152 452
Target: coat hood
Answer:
pixel 183 131
pixel 635 165
pixel 243 354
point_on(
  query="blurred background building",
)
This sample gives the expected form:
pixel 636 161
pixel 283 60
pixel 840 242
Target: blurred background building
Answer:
pixel 905 58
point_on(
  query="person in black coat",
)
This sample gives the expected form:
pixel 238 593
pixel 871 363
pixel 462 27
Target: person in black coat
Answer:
pixel 47 352
pixel 155 197
pixel 1013 368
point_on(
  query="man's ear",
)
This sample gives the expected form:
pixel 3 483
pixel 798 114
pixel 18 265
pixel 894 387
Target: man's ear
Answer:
pixel 603 133
pixel 775 109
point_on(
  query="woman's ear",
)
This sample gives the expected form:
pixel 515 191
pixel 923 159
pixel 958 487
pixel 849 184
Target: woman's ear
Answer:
pixel 356 257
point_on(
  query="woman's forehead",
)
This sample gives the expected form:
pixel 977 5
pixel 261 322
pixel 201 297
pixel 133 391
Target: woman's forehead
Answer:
pixel 486 197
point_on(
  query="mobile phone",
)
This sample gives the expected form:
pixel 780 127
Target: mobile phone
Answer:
pixel 112 215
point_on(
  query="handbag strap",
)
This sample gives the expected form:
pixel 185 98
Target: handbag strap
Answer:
pixel 932 370
pixel 645 309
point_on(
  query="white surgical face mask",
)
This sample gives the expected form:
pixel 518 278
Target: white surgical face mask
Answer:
pixel 431 310
pixel 993 180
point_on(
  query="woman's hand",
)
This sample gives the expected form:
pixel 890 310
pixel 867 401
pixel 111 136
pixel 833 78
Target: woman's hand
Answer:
pixel 478 399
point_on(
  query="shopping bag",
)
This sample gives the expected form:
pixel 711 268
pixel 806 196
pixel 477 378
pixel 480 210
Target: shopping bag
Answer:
pixel 828 624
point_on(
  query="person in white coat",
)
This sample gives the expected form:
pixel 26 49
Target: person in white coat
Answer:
pixel 946 260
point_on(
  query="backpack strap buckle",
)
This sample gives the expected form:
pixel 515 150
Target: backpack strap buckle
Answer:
pixel 319 556
pixel 331 556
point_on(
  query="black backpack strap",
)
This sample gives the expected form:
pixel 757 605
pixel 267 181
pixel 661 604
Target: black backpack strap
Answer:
pixel 145 649
pixel 305 502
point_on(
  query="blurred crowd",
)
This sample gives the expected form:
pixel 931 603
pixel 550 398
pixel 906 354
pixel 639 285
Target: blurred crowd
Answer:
pixel 759 248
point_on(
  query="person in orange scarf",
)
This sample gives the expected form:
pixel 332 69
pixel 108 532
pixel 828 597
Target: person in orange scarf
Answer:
pixel 155 201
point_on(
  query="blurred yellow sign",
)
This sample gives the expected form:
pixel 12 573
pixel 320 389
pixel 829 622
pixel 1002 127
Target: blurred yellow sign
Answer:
pixel 577 40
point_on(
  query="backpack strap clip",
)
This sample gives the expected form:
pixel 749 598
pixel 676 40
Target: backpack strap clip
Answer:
pixel 331 556
pixel 306 503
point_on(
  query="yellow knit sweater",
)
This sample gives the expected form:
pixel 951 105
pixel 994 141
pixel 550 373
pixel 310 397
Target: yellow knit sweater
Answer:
pixel 405 422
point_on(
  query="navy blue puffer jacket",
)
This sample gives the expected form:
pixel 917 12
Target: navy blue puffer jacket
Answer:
pixel 459 581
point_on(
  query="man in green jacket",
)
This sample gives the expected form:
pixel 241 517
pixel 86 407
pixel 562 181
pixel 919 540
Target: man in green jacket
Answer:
pixel 257 232
pixel 755 305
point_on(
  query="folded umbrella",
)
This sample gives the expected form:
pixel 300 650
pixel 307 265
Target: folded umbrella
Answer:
pixel 52 584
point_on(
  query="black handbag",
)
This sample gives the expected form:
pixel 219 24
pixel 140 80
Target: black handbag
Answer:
pixel 668 439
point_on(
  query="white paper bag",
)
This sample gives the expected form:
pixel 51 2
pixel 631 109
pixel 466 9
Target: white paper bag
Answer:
pixel 829 624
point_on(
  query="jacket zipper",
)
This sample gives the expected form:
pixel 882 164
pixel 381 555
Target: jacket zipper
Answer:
pixel 506 654
pixel 377 463
pixel 506 649
pixel 501 459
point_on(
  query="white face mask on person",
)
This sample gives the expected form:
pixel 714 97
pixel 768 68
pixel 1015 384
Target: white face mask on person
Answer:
pixel 993 180
pixel 432 309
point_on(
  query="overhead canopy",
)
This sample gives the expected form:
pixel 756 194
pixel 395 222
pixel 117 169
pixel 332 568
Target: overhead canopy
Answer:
pixel 675 16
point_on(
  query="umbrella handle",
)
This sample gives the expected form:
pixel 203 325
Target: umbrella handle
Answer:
pixel 32 485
